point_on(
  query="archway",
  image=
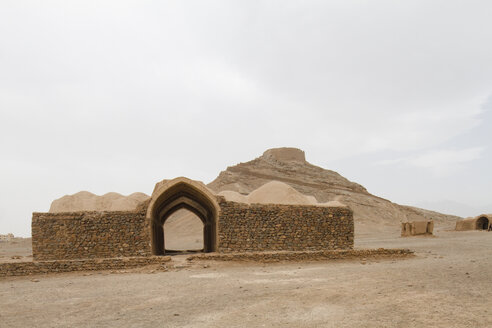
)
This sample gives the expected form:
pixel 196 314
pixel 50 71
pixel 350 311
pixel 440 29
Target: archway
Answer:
pixel 482 223
pixel 182 193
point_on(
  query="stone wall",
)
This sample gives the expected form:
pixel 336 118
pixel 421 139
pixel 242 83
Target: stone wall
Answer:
pixel 278 256
pixel 165 263
pixel 241 227
pixel 42 267
pixel 270 227
pixel 77 235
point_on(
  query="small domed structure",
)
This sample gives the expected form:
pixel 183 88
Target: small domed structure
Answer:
pixel 481 222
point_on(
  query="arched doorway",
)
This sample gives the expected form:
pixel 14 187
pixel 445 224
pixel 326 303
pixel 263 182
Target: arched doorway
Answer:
pixel 177 194
pixel 482 223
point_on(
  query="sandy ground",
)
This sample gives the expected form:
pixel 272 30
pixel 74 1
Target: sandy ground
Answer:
pixel 20 249
pixel 448 284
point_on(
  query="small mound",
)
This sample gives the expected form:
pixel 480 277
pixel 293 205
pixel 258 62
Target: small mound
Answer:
pixel 276 192
pixel 312 199
pixel 139 196
pixel 112 195
pixel 332 203
pixel 82 193
pixel 87 201
pixel 233 196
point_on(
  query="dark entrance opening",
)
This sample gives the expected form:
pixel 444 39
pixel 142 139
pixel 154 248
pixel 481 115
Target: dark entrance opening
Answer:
pixel 482 223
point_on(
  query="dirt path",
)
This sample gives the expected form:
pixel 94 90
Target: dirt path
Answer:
pixel 446 285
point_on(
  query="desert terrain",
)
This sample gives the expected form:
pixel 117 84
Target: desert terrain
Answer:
pixel 446 284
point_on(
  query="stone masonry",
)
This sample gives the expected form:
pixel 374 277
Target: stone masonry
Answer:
pixel 42 267
pixel 77 235
pixel 238 227
pixel 260 227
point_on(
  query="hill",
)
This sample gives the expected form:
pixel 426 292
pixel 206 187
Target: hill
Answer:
pixel 283 176
pixel 288 165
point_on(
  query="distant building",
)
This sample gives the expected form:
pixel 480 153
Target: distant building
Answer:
pixel 417 228
pixel 7 237
pixel 481 222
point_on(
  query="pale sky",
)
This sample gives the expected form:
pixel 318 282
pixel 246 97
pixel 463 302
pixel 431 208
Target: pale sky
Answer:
pixel 117 95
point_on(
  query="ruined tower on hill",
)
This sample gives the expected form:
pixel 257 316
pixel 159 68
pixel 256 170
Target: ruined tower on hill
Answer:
pixel 289 165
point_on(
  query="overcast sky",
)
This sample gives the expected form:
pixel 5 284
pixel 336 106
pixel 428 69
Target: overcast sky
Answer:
pixel 117 95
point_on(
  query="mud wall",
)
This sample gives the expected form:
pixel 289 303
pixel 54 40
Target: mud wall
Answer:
pixel 77 235
pixel 466 224
pixel 472 223
pixel 261 227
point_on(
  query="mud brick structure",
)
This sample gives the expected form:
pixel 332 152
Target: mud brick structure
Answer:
pixel 481 222
pixel 228 226
pixel 417 228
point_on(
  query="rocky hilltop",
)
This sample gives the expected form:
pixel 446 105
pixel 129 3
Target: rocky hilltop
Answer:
pixel 289 165
pixel 286 165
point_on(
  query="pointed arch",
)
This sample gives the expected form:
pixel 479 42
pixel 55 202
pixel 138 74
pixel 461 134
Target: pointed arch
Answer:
pixel 482 223
pixel 177 194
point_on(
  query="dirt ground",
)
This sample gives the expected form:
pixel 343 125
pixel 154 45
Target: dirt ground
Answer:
pixel 19 249
pixel 447 284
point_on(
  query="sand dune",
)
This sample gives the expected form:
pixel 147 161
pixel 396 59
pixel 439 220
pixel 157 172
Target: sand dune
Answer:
pixel 87 201
pixel 234 196
pixel 276 192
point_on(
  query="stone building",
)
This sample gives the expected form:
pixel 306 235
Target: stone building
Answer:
pixel 227 226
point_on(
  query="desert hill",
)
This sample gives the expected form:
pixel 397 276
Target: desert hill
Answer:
pixel 288 165
pixel 281 176
pixel 284 176
pixel 273 192
pixel 87 201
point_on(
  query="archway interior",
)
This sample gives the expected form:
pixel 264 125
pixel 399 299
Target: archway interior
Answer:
pixel 482 223
pixel 178 197
pixel 183 232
